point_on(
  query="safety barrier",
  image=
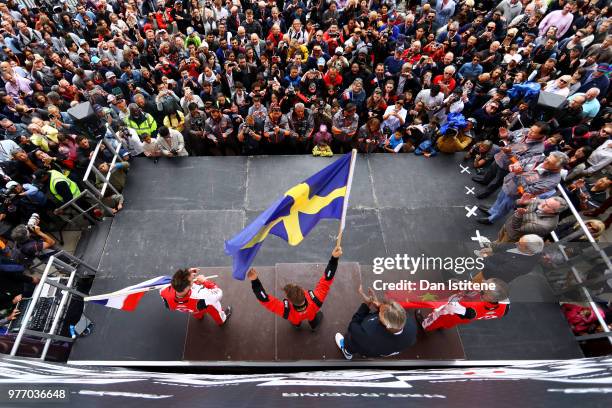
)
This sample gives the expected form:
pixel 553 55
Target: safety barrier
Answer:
pixel 581 284
pixel 91 168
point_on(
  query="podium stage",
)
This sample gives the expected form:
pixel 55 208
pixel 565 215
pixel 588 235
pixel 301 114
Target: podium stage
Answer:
pixel 178 213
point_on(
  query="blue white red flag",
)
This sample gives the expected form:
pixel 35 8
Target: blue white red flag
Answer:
pixel 128 298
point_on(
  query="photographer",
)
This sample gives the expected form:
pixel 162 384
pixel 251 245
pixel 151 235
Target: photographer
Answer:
pixel 249 135
pixel 276 131
pixel 344 128
pixel 171 142
pixel 194 130
pixel 381 46
pixel 301 122
pixel 26 198
pixel 333 37
pixel 130 141
pixel 395 115
pixel 370 136
pixel 32 242
pixel 217 131
pixel 331 14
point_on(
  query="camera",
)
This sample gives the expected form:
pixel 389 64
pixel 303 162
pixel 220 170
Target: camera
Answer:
pixel 7 198
pixel 33 222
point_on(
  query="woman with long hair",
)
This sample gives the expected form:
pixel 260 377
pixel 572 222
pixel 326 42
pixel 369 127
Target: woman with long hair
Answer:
pixel 175 120
pixel 376 105
pixel 370 137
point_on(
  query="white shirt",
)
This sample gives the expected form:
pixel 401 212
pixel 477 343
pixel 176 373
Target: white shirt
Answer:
pixel 392 121
pixel 600 158
pixel 7 148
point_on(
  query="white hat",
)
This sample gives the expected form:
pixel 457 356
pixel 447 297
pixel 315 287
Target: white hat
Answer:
pixel 339 50
pixel 11 185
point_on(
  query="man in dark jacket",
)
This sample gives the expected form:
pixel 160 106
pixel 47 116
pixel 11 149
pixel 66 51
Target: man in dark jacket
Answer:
pixel 385 331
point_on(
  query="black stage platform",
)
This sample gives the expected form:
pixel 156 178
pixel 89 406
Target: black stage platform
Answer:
pixel 179 212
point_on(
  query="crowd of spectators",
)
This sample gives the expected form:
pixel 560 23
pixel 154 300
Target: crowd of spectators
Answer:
pixel 522 86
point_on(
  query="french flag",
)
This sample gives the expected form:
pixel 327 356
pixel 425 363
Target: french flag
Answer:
pixel 128 298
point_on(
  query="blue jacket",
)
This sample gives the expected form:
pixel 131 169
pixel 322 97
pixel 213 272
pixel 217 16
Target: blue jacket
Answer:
pixel 602 82
pixel 469 71
pixel 393 66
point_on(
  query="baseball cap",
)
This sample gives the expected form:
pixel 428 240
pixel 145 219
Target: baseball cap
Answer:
pixel 95 59
pixel 111 98
pixel 11 185
pixel 110 74
pixel 472 121
pixel 190 30
pixel 339 50
pixel 321 61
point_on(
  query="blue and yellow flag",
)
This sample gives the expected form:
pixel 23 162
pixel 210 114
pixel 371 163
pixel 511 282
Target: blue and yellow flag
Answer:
pixel 292 216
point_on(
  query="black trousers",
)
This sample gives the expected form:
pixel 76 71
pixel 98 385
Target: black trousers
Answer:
pixel 314 323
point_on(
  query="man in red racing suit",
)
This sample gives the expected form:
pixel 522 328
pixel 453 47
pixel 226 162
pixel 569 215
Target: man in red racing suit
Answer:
pixel 300 304
pixel 192 293
pixel 464 308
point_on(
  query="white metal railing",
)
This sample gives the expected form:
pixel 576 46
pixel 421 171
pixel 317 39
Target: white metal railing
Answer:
pixel 580 283
pixel 91 168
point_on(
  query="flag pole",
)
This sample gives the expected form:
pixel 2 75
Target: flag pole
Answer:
pixel 346 197
pixel 123 292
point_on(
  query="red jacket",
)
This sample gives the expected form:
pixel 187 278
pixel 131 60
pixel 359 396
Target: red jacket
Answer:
pixel 473 309
pixel 314 299
pixel 439 79
pixel 335 81
pixel 195 300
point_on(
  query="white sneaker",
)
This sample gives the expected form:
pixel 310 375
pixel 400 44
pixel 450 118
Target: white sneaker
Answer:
pixel 340 343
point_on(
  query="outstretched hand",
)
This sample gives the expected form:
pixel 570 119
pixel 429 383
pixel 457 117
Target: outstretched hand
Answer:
pixel 252 274
pixel 370 299
pixel 337 252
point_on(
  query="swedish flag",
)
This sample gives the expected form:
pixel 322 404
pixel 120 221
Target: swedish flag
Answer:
pixel 323 195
